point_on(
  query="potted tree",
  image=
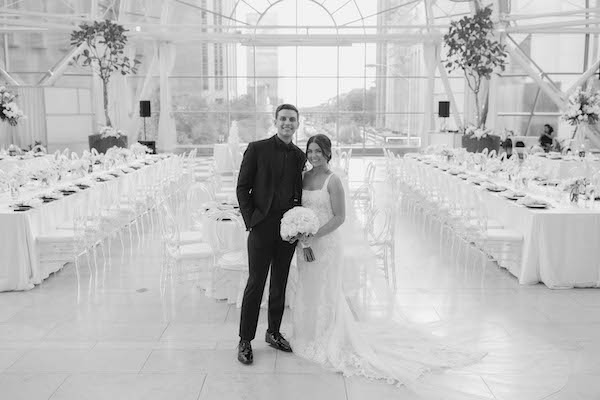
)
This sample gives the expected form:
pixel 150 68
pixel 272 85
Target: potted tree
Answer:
pixel 104 54
pixel 472 47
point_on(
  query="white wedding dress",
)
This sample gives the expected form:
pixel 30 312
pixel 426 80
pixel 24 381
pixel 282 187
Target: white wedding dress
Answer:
pixel 325 330
pixel 392 348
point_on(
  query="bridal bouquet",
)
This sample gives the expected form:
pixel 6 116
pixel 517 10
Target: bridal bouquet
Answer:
pixel 584 107
pixel 299 224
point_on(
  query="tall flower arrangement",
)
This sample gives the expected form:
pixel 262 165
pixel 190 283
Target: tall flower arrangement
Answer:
pixel 9 111
pixel 583 108
pixel 472 47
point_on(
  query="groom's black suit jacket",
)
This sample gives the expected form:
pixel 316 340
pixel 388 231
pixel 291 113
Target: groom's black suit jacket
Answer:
pixel 258 177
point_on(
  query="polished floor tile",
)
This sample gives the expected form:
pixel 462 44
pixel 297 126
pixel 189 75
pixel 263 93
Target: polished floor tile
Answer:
pixel 132 335
pixel 31 386
pixel 8 357
pixel 220 386
pixel 131 387
pixel 81 361
pixel 209 361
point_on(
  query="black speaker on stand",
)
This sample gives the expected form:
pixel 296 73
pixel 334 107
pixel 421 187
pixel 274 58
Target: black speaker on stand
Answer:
pixel 443 113
pixel 145 113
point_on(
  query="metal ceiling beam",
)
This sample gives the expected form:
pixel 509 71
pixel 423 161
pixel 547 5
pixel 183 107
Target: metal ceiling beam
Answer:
pixel 537 75
pixel 8 78
pixel 516 17
pixel 59 68
pixel 583 78
pixel 558 24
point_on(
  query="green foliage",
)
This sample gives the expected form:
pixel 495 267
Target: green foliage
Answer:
pixel 200 122
pixel 471 46
pixel 105 52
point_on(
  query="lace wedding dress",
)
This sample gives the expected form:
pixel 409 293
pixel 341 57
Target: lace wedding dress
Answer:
pixel 325 330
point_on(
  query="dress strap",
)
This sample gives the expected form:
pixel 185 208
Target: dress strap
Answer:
pixel 326 181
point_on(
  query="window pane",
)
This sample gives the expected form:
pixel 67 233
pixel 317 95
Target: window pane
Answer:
pixel 201 127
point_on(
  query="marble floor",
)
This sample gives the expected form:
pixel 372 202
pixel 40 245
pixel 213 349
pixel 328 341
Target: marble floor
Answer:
pixel 121 338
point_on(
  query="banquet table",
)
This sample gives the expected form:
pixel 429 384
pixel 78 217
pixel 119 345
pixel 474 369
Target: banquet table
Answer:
pixel 20 268
pixel 8 163
pixel 566 167
pixel 560 247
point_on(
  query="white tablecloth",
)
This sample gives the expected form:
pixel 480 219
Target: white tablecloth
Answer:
pixel 19 265
pixel 563 169
pixel 561 244
pixel 9 163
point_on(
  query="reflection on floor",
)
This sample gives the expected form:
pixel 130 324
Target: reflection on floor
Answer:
pixel 123 340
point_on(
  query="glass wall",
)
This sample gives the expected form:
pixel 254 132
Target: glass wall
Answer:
pixel 361 92
pixel 357 93
pixel 561 54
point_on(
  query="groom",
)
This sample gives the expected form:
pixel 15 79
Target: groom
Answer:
pixel 269 184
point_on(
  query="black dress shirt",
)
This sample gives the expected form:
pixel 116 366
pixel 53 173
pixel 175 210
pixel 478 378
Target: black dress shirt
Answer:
pixel 285 177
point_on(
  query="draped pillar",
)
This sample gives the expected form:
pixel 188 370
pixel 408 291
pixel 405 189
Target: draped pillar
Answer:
pixel 166 125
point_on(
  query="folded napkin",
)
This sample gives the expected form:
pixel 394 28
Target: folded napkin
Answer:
pixel 510 193
pixel 69 188
pixel 54 194
pixel 88 181
pixel 106 177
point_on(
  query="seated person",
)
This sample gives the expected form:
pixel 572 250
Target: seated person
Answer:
pixel 547 138
pixel 507 144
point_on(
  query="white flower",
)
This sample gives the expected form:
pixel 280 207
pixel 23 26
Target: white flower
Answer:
pixel 299 221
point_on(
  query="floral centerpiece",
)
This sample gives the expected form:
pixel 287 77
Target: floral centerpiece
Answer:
pixel 106 138
pixel 577 186
pixel 583 110
pixel 299 224
pixel 476 133
pixel 476 139
pixel 9 111
pixel 109 131
pixel 140 150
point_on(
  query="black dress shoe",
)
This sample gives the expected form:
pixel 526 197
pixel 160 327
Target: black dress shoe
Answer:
pixel 245 352
pixel 276 340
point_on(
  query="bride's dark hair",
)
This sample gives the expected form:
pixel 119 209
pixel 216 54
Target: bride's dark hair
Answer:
pixel 323 142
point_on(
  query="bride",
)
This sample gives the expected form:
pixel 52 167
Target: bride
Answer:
pixel 324 328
